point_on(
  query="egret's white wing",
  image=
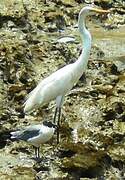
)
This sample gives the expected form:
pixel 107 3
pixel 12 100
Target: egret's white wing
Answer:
pixel 47 80
pixel 57 87
pixel 49 88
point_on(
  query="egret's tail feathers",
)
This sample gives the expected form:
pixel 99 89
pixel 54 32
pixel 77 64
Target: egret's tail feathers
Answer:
pixel 29 105
pixel 29 95
pixel 32 101
pixel 28 102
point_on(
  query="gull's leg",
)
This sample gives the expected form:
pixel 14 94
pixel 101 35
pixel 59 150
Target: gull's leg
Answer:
pixel 38 156
pixel 55 114
pixel 58 125
pixel 35 151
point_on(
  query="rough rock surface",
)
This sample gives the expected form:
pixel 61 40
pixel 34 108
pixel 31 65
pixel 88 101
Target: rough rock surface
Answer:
pixel 93 120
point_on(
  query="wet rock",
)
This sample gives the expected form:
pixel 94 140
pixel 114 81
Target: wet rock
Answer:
pixel 14 88
pixel 68 3
pixel 117 152
pixel 55 17
pixel 81 159
pixel 12 167
pixel 104 3
pixel 82 164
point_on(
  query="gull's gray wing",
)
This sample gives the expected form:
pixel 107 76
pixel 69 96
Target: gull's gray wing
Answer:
pixel 26 134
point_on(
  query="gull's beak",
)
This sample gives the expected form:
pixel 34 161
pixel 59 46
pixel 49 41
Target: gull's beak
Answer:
pixel 100 10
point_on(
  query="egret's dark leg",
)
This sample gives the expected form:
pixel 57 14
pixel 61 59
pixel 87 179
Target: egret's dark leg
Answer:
pixel 55 114
pixel 58 124
pixel 59 102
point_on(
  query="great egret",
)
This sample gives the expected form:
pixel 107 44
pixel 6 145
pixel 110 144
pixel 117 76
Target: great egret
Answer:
pixel 60 82
pixel 36 135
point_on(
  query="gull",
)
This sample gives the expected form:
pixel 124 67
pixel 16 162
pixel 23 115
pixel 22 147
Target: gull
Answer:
pixel 36 135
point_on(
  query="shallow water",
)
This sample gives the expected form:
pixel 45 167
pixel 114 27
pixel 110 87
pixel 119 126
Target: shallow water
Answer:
pixel 112 42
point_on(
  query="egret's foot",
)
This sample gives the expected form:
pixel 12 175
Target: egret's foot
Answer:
pixel 37 159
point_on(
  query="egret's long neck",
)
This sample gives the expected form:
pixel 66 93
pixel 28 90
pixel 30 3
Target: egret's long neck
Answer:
pixel 86 42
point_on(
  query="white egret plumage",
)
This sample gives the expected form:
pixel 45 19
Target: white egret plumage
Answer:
pixel 60 82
